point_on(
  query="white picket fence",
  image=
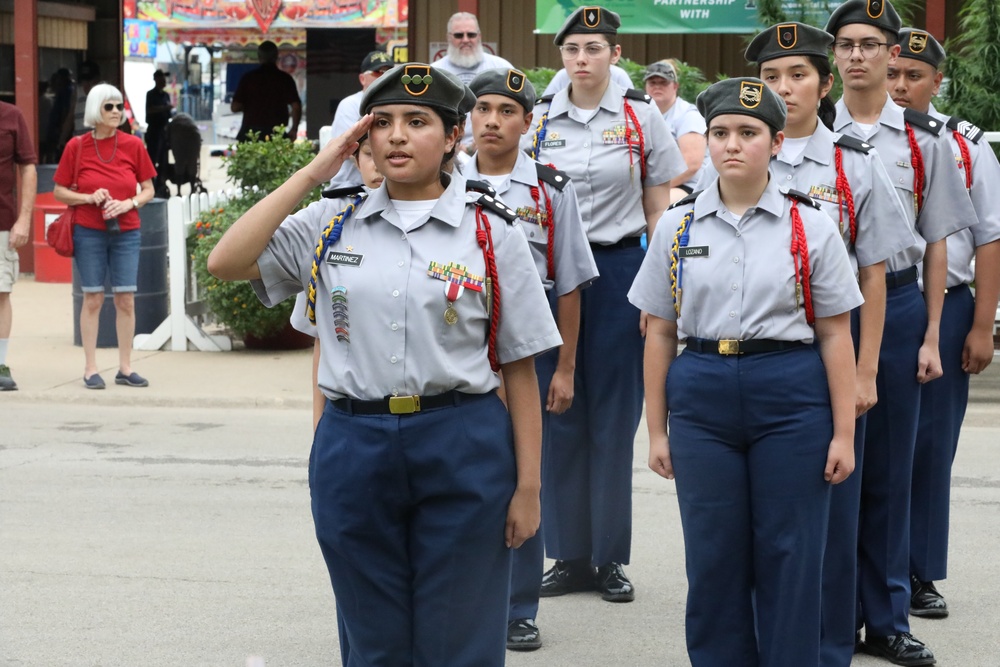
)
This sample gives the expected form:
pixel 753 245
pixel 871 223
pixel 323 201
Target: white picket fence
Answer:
pixel 182 328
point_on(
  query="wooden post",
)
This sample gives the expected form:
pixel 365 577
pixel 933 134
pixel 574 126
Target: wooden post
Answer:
pixel 936 19
pixel 26 63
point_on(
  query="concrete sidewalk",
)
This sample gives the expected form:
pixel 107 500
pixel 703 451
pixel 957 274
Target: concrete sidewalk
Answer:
pixel 47 366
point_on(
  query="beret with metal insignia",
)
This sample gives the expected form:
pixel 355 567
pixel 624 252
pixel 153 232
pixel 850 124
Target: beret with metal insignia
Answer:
pixel 745 96
pixel 416 83
pixel 511 83
pixel 377 60
pixel 661 68
pixel 789 39
pixel 592 20
pixel 920 45
pixel 879 13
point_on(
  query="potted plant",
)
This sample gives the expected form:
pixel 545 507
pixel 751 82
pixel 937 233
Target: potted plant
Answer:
pixel 256 168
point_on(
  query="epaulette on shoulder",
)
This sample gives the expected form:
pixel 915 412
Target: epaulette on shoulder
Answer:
pixel 490 203
pixel 847 141
pixel 351 191
pixel 686 200
pixel 546 99
pixel 923 121
pixel 801 197
pixel 637 95
pixel 482 187
pixel 553 177
pixel 971 132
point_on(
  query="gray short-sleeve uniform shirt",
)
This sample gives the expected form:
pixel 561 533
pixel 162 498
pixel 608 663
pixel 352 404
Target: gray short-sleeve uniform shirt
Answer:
pixel 590 146
pixel 399 341
pixel 574 263
pixel 743 283
pixel 985 186
pixel 945 210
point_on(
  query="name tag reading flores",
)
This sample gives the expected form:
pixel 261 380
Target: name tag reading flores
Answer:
pixel 693 251
pixel 344 258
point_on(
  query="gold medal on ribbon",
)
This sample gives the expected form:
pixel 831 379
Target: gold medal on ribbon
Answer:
pixel 450 314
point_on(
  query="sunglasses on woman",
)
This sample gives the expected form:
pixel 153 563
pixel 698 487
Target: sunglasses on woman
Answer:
pixel 109 106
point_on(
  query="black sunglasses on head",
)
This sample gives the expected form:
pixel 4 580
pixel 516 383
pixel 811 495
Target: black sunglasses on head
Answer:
pixel 109 106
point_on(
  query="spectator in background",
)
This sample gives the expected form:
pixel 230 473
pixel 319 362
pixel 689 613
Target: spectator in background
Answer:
pixel 349 112
pixel 266 95
pixel 87 76
pixel 561 80
pixel 59 125
pixel 17 156
pixel 684 121
pixel 158 109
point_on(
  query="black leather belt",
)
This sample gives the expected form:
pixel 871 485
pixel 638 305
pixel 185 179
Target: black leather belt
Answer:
pixel 402 405
pixel 627 242
pixel 901 278
pixel 733 346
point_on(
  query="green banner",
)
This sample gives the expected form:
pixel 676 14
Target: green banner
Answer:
pixel 681 16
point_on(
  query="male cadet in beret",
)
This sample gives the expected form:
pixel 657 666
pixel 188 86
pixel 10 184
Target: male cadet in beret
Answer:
pixel 545 201
pixel 919 161
pixel 966 320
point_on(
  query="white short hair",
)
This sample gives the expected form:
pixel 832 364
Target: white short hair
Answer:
pixel 462 16
pixel 96 98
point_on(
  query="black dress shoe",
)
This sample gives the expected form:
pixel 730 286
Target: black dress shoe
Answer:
pixel 523 635
pixel 925 601
pixel 902 649
pixel 613 584
pixel 567 576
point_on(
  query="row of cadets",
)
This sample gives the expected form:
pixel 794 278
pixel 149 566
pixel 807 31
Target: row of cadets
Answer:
pixel 847 178
pixel 761 420
pixel 618 151
pixel 545 201
pixel 966 320
pixel 421 480
pixel 919 162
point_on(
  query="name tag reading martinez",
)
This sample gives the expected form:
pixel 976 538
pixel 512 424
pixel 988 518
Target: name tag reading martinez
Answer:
pixel 344 258
pixel 693 251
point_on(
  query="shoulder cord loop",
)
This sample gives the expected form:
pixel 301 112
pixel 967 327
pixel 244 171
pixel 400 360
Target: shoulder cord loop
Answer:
pixel 484 237
pixel 917 159
pixel 676 266
pixel 640 140
pixel 550 222
pixel 539 137
pixel 328 238
pixel 963 148
pixel 845 195
pixel 800 256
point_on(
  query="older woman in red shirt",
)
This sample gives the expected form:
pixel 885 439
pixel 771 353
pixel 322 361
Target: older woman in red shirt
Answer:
pixel 114 180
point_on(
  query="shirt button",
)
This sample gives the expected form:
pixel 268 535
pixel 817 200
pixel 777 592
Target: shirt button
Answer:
pixel 736 260
pixel 586 127
pixel 901 180
pixel 732 313
pixel 393 359
pixel 401 262
pixel 739 234
pixel 395 292
pixel 394 326
pixel 586 145
pixel 788 178
pixel 735 287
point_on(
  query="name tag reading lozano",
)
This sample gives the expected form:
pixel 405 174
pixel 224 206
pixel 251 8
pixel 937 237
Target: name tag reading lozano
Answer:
pixel 344 258
pixel 693 251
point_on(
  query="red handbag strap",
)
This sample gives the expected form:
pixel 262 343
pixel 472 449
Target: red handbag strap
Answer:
pixel 76 169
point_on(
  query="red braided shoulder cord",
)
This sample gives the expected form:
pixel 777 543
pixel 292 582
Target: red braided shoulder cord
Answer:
pixel 845 194
pixel 963 148
pixel 917 160
pixel 630 115
pixel 800 255
pixel 550 222
pixel 484 236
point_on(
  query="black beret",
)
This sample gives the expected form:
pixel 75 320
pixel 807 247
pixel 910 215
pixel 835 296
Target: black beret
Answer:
pixel 879 13
pixel 920 45
pixel 509 82
pixel 417 83
pixel 592 20
pixel 745 96
pixel 789 39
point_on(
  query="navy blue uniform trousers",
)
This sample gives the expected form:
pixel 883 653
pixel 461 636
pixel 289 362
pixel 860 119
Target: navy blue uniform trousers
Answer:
pixel 890 437
pixel 749 438
pixel 587 463
pixel 409 513
pixel 942 411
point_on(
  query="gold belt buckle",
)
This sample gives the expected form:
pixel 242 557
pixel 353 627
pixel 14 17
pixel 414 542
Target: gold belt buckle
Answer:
pixel 729 346
pixel 404 405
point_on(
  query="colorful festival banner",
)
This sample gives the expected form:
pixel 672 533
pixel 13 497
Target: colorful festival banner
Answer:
pixel 680 16
pixel 264 15
pixel 140 39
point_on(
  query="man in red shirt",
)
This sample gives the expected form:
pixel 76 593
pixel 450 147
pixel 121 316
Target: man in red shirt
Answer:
pixel 17 155
pixel 265 95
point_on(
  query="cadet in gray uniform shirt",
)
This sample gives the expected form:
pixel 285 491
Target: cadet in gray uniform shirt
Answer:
pixel 421 480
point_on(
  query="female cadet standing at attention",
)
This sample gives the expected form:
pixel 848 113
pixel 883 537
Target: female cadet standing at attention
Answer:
pixel 617 148
pixel 545 201
pixel 845 176
pixel 420 479
pixel 760 421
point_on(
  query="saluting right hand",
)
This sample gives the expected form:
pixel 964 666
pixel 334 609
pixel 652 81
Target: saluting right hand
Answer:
pixel 329 160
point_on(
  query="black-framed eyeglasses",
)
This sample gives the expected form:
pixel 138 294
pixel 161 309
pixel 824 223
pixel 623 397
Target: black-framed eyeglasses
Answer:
pixel 109 106
pixel 868 49
pixel 465 35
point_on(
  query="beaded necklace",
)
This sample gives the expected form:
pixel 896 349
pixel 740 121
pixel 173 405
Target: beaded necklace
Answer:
pixel 98 152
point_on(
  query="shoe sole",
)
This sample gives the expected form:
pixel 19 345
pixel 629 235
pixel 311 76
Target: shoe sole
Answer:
pixel 887 656
pixel 618 597
pixel 94 386
pixel 574 589
pixel 524 646
pixel 929 613
pixel 130 384
pixel 14 388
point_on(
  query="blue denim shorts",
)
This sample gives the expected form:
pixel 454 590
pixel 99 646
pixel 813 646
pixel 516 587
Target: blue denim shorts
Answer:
pixel 98 253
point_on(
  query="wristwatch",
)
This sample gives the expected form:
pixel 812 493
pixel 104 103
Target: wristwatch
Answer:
pixel 135 203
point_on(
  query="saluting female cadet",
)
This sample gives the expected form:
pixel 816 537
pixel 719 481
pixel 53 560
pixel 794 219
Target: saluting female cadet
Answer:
pixel 761 422
pixel 421 481
pixel 545 201
pixel 845 176
pixel 617 148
